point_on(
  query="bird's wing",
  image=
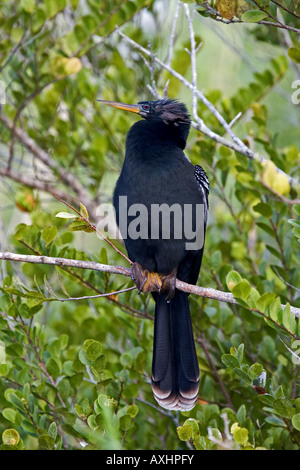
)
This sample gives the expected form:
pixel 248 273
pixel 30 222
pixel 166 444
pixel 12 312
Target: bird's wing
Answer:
pixel 203 185
pixel 202 181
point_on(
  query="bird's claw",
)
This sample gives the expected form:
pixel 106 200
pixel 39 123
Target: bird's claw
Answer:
pixel 168 284
pixel 148 281
pixel 145 281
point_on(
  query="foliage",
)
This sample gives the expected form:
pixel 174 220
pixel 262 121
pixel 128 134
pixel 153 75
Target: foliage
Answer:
pixel 76 373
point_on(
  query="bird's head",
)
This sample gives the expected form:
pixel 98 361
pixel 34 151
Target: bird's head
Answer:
pixel 171 112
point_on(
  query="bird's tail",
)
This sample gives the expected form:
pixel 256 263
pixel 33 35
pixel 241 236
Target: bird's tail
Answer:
pixel 175 370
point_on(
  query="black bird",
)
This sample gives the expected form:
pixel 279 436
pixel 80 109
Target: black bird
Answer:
pixel 157 178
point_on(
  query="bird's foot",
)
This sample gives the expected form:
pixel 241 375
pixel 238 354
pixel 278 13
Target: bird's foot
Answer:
pixel 148 281
pixel 168 284
pixel 145 281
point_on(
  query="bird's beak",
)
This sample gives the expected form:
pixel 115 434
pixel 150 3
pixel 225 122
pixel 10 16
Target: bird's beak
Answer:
pixel 133 108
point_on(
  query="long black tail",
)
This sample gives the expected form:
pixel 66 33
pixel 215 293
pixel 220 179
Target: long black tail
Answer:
pixel 175 370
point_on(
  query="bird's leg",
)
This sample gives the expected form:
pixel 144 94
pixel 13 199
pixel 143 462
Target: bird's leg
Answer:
pixel 145 281
pixel 168 284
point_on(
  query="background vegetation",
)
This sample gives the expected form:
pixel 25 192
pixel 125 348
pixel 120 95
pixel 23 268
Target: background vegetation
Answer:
pixel 75 373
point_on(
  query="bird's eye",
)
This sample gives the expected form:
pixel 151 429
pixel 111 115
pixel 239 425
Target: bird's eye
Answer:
pixel 145 107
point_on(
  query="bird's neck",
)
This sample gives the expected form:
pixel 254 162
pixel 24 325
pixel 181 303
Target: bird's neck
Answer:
pixel 153 139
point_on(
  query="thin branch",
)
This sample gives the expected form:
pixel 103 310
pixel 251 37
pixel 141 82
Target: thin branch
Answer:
pixel 88 297
pixel 207 292
pixel 173 32
pixel 192 54
pixel 93 227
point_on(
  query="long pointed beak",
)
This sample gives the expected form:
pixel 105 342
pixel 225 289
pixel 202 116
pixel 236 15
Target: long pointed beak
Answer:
pixel 133 108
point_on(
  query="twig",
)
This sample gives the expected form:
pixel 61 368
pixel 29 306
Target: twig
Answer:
pixel 94 228
pixel 173 32
pixel 87 297
pixel 192 54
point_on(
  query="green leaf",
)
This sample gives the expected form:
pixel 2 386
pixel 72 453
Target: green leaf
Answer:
pixel 35 298
pixel 52 430
pixel 275 310
pixel 66 215
pixel 185 432
pixel 275 421
pixel 266 228
pixel 284 407
pixel 296 421
pixel 93 349
pixel 264 301
pixel 253 16
pixel 10 437
pixel 294 54
pixel 243 375
pixel 264 209
pixel 241 290
pixel 233 278
pixel 274 252
pixel 48 234
pixel 46 442
pixel 294 222
pixel 9 414
pixel 241 415
pixel 240 435
pixel 84 211
pixel 203 443
pixel 256 369
pixel 132 411
pixel 296 208
pixel 286 316
pixel 216 260
pixel 28 5
pixel 53 367
pixel 229 360
pixel 80 225
pixel 125 422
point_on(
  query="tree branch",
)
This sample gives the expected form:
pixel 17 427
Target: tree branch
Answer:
pixel 207 292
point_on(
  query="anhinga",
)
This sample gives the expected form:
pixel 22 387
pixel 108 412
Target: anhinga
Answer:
pixel 157 174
